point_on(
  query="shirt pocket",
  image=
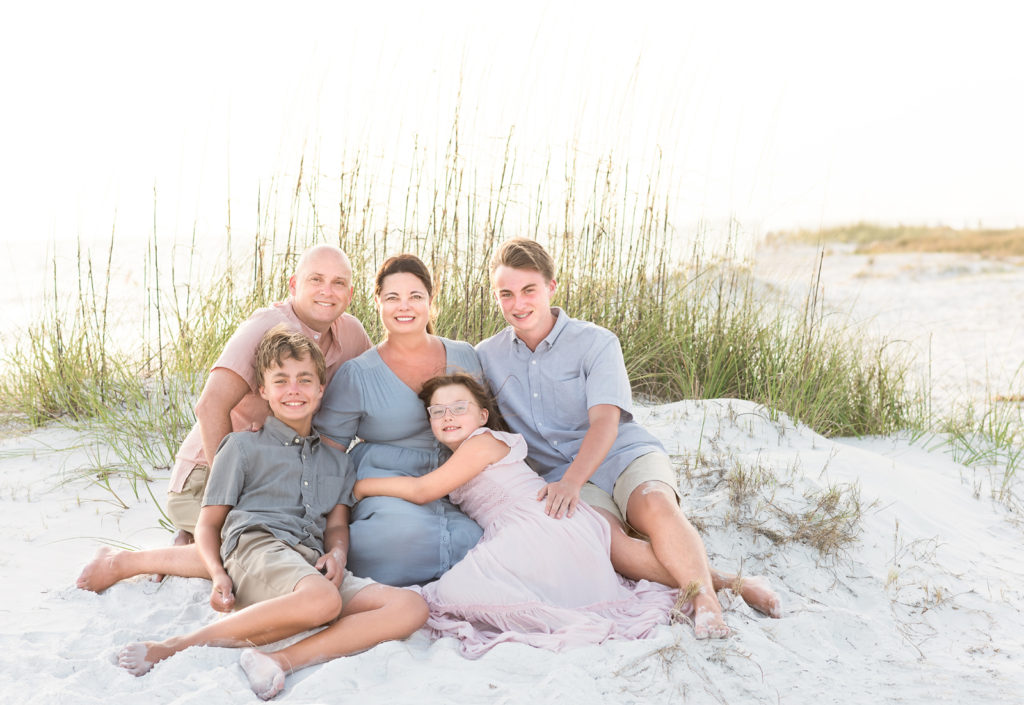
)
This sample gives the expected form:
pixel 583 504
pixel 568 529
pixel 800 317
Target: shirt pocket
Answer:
pixel 565 402
pixel 328 494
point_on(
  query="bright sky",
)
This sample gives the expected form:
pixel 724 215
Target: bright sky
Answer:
pixel 776 114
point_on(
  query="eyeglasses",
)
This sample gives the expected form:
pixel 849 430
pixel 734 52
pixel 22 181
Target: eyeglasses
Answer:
pixel 457 408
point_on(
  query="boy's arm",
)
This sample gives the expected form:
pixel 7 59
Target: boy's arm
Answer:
pixel 335 557
pixel 211 521
pixel 564 495
pixel 466 462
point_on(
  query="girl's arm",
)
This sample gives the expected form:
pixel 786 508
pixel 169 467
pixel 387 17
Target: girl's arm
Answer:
pixel 467 462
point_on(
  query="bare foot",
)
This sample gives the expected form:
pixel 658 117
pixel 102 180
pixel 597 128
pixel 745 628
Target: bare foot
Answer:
pixel 139 656
pixel 266 677
pixel 757 592
pixel 703 613
pixel 101 572
pixel 708 624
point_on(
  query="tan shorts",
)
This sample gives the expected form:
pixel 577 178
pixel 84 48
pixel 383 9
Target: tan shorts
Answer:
pixel 652 466
pixel 263 567
pixel 183 507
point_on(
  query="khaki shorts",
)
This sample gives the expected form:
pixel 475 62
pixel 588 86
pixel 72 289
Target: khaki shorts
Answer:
pixel 652 466
pixel 263 567
pixel 183 507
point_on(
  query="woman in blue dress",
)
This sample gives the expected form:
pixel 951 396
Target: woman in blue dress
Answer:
pixel 374 397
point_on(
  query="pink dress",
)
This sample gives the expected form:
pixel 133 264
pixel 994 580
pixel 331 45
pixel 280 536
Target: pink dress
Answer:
pixel 532 579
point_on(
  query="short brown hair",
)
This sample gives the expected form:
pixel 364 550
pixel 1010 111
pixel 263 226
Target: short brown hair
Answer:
pixel 281 343
pixel 523 253
pixel 406 263
pixel 481 393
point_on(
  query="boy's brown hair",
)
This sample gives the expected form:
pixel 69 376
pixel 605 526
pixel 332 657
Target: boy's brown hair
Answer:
pixel 523 253
pixel 281 343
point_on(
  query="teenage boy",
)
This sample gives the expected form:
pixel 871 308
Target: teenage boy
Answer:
pixel 273 537
pixel 320 291
pixel 562 384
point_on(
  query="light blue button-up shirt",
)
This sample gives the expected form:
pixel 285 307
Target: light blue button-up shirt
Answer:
pixel 544 394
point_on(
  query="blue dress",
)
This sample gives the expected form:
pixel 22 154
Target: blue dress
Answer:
pixel 393 541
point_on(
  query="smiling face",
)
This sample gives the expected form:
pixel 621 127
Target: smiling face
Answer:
pixel 403 303
pixel 525 299
pixel 321 287
pixel 293 390
pixel 451 428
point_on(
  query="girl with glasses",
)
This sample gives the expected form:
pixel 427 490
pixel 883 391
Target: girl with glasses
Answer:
pixel 532 578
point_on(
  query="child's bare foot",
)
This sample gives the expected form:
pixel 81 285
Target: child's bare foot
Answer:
pixel 102 571
pixel 758 593
pixel 139 656
pixel 266 677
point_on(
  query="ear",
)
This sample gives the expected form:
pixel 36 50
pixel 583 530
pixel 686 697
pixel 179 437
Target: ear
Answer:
pixel 291 285
pixel 484 414
pixel 552 285
pixel 263 393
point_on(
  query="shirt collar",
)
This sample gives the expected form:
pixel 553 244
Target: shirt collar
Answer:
pixel 285 434
pixel 306 330
pixel 561 321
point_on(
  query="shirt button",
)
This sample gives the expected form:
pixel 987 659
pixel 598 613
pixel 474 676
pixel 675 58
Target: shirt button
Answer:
pixel 535 394
pixel 306 484
pixel 533 362
pixel 554 443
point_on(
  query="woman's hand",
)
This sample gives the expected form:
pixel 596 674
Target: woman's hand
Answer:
pixel 562 496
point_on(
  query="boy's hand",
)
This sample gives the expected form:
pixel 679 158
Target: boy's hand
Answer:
pixel 332 565
pixel 562 496
pixel 222 597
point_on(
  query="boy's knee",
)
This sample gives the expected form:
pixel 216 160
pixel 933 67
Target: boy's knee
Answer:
pixel 321 600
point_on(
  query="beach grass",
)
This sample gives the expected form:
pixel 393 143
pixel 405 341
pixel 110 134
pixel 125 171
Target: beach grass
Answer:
pixel 692 320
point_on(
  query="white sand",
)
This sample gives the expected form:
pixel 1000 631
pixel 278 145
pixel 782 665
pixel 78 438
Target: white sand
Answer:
pixel 923 608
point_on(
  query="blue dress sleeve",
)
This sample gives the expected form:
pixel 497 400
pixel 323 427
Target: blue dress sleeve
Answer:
pixel 341 408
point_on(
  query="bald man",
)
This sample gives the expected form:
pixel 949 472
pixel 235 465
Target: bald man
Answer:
pixel 320 292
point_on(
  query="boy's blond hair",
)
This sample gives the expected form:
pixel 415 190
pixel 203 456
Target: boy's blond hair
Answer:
pixel 523 253
pixel 281 343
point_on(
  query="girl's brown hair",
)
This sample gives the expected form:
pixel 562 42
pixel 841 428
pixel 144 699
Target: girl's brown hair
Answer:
pixel 481 394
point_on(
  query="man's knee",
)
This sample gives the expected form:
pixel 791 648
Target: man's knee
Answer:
pixel 651 500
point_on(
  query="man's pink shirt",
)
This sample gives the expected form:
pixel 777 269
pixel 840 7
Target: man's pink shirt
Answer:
pixel 347 339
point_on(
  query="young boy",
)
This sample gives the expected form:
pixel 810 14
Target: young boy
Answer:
pixel 273 537
pixel 562 384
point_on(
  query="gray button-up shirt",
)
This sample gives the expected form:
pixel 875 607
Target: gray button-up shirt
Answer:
pixel 280 482
pixel 544 394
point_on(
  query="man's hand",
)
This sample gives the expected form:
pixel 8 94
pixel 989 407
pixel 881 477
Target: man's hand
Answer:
pixel 222 597
pixel 332 565
pixel 562 498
